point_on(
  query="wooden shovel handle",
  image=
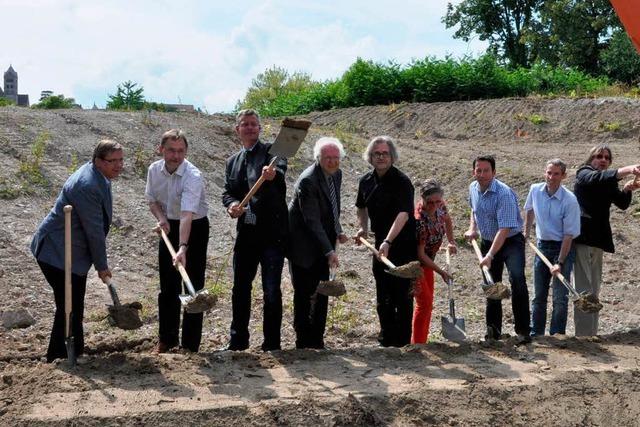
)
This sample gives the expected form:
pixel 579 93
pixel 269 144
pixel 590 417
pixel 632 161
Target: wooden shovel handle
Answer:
pixel 256 186
pixel 546 261
pixel 67 270
pixel 179 266
pixel 373 249
pixel 485 269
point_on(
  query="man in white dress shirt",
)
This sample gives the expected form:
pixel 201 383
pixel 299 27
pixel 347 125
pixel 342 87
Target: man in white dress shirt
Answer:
pixel 176 194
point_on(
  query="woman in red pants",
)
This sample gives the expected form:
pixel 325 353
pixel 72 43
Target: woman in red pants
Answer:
pixel 433 223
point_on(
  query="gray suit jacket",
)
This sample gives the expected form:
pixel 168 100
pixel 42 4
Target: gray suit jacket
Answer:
pixel 311 225
pixel 89 194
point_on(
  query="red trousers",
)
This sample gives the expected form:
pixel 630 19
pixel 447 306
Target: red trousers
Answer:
pixel 424 306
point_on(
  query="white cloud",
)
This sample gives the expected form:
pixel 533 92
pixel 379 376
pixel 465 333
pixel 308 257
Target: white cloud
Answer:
pixel 206 53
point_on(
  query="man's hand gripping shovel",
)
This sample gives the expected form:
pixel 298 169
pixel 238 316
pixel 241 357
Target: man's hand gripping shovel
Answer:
pixel 492 290
pixel 587 303
pixel 194 302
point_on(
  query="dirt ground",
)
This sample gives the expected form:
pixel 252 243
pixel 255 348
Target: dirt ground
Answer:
pixel 553 381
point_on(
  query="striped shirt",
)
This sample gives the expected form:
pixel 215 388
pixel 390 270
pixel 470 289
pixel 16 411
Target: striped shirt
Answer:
pixel 494 209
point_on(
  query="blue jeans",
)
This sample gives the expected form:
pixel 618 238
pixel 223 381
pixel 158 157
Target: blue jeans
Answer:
pixel 510 254
pixel 541 279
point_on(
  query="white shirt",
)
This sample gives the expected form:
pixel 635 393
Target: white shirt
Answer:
pixel 180 191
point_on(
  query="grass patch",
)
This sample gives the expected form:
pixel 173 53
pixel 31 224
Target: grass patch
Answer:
pixel 339 317
pixel 610 127
pixel 141 161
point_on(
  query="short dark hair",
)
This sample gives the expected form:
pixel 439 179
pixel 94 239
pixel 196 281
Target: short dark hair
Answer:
pixel 105 147
pixel 430 187
pixel 485 158
pixel 174 135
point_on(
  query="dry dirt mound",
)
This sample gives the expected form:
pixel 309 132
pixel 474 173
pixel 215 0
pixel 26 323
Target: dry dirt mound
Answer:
pixel 567 382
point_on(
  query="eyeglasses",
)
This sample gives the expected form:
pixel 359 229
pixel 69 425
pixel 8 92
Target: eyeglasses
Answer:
pixel 112 161
pixel 381 154
pixel 602 156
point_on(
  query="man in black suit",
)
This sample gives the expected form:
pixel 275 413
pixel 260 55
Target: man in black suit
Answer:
pixel 262 230
pixel 314 219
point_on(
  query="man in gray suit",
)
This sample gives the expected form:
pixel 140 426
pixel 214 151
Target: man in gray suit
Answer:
pixel 88 190
pixel 314 225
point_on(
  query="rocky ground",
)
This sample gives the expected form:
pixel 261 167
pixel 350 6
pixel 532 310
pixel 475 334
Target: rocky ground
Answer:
pixel 561 381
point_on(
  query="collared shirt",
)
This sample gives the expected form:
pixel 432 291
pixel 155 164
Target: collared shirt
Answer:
pixel 557 215
pixel 494 209
pixel 182 190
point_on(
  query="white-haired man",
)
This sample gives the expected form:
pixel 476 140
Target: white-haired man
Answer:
pixel 314 226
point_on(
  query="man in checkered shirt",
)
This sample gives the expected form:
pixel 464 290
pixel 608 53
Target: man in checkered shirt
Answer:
pixel 495 218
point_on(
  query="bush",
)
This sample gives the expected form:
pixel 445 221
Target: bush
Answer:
pixel 55 102
pixel 425 80
pixel 5 102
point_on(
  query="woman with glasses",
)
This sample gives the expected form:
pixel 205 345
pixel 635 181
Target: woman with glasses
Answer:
pixel 596 188
pixel 432 223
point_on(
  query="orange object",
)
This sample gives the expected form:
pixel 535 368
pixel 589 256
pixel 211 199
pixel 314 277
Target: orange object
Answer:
pixel 424 307
pixel 629 13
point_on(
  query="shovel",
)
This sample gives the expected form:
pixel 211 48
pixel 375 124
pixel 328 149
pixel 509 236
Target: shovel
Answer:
pixel 331 287
pixel 124 316
pixel 587 303
pixel 410 270
pixel 194 302
pixel 69 341
pixel 453 328
pixel 292 133
pixel 496 291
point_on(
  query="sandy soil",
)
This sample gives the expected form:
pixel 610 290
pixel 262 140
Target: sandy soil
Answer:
pixel 554 381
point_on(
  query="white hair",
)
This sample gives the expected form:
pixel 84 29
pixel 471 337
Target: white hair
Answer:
pixel 324 142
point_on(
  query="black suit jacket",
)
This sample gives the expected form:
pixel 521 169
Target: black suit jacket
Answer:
pixel 311 223
pixel 268 204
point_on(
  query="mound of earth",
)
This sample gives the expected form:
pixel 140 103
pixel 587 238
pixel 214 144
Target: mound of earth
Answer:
pixel 560 381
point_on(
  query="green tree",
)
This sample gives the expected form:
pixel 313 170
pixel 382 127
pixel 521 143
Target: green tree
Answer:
pixel 620 60
pixel 504 23
pixel 127 97
pixel 54 102
pixel 574 33
pixel 273 83
pixel 4 102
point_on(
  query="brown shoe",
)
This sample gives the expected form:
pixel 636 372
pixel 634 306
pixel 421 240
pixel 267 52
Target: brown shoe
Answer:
pixel 160 348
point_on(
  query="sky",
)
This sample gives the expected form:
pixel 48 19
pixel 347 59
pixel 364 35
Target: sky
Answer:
pixel 206 53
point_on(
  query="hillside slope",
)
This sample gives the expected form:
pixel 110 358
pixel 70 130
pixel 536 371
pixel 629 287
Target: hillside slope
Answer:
pixel 436 140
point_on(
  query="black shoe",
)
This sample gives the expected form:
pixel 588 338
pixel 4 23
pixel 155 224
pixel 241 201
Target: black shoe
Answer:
pixel 236 347
pixel 492 334
pixel 523 339
pixel 266 347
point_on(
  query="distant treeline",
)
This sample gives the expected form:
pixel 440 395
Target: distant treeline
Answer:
pixel 276 93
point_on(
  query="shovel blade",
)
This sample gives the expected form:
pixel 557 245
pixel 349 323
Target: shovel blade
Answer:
pixel 69 342
pixel 287 142
pixel 453 329
pixel 201 302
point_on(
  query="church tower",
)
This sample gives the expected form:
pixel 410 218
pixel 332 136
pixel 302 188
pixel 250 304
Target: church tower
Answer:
pixel 11 84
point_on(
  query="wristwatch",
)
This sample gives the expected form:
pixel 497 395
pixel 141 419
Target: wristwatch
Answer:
pixel 186 245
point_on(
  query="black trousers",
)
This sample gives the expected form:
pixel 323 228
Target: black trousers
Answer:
pixel 245 267
pixel 169 306
pixel 55 277
pixel 394 299
pixel 309 308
